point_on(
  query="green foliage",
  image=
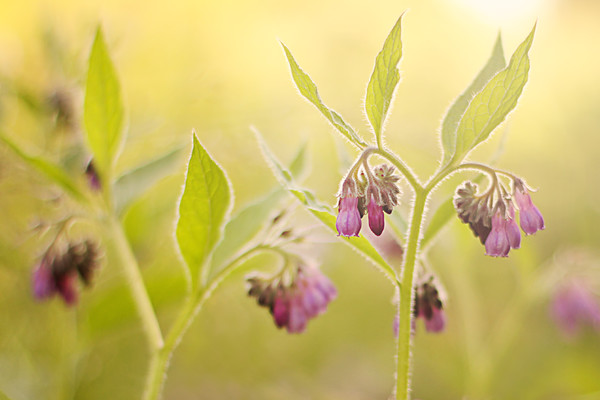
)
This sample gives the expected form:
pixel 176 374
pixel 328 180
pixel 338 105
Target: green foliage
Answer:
pixel 103 108
pixel 321 211
pixel 384 80
pixel 450 124
pixel 203 210
pixel 134 183
pixel 308 89
pixel 247 223
pixel 51 171
pixel 491 106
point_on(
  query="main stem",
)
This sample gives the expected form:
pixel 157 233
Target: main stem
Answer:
pixel 136 284
pixel 406 292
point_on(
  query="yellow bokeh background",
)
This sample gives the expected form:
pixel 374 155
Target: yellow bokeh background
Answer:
pixel 218 68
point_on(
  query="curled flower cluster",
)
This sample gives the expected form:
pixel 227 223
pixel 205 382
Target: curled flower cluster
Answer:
pixel 293 305
pixel 428 306
pixel 57 272
pixel 374 195
pixel 495 224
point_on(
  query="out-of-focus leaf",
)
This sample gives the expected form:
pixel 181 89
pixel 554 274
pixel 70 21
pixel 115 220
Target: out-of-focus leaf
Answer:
pixel 51 171
pixel 450 124
pixel 491 106
pixel 103 108
pixel 134 183
pixel 247 223
pixel 384 80
pixel 322 212
pixel 203 210
pixel 308 89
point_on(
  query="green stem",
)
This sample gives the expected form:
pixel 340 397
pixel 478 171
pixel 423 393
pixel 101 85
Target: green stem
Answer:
pixel 193 304
pixel 403 367
pixel 136 284
pixel 402 167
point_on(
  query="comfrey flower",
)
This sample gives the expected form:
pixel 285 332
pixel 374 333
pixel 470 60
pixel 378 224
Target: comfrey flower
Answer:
pixel 375 194
pixel 530 217
pixel 473 210
pixel 429 307
pixel 57 273
pixel 573 307
pixel 293 305
pixel 348 221
pixel 504 234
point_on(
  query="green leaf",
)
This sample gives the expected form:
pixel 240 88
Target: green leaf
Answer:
pixel 308 89
pixel 203 210
pixel 103 108
pixel 247 223
pixel 134 183
pixel 491 106
pixel 384 80
pixel 450 124
pixel 323 212
pixel 53 172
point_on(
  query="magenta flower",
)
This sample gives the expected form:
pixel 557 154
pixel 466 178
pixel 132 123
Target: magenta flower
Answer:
pixel 57 273
pixel 429 307
pixel 376 218
pixel 574 306
pixel 497 243
pixel 348 221
pixel 530 217
pixel 293 305
pixel 512 229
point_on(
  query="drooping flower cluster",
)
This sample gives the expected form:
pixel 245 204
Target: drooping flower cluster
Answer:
pixel 293 304
pixel 376 193
pixel 58 272
pixel 495 224
pixel 428 306
pixel 575 306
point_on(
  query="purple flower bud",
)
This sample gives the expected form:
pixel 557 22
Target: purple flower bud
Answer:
pixel 497 243
pixel 436 322
pixel 376 218
pixel 42 281
pixel 92 176
pixel 573 307
pixel 294 304
pixel 512 229
pixel 530 217
pixel 348 221
pixel 429 307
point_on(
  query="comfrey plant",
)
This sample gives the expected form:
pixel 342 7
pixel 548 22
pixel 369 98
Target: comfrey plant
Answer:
pixel 373 190
pixel 212 243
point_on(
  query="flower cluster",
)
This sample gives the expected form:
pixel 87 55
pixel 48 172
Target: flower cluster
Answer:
pixel 293 304
pixel 574 306
pixel 429 307
pixel 57 272
pixel 375 193
pixel 495 224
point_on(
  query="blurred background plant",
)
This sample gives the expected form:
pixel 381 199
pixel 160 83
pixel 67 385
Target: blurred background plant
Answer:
pixel 217 67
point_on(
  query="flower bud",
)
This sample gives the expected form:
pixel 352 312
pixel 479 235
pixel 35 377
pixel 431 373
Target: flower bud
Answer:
pixel 473 210
pixel 530 217
pixel 573 307
pixel 348 222
pixel 429 307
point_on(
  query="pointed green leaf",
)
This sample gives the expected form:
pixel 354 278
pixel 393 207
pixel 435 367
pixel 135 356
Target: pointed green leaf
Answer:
pixel 103 108
pixel 134 183
pixel 203 209
pixel 323 212
pixel 308 89
pixel 491 106
pixel 384 80
pixel 51 171
pixel 450 124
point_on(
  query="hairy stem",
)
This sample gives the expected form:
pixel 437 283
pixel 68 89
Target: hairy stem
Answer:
pixel 193 304
pixel 403 367
pixel 412 180
pixel 136 284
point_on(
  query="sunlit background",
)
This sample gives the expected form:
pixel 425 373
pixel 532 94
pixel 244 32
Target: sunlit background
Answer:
pixel 218 68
